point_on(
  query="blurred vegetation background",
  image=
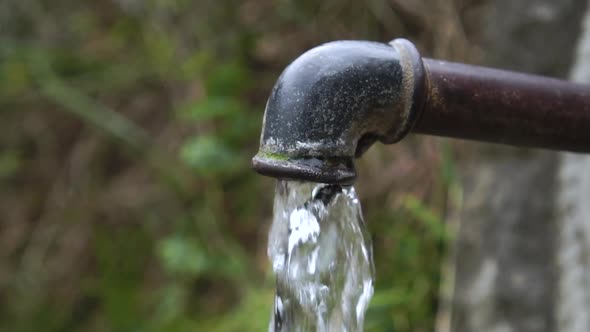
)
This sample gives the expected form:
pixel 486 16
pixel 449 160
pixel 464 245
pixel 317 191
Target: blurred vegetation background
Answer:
pixel 127 202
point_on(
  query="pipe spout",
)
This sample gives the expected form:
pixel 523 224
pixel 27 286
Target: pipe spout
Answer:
pixel 333 102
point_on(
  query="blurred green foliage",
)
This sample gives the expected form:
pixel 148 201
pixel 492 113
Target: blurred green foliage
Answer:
pixel 127 131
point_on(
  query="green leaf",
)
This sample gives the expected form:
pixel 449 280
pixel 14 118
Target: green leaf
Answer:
pixel 195 63
pixel 226 80
pixel 434 223
pixel 213 107
pixel 251 314
pixel 182 255
pixel 209 156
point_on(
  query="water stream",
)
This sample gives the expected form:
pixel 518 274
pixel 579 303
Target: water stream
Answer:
pixel 321 255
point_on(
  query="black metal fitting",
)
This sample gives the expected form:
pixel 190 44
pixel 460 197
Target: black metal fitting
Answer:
pixel 333 102
pixel 337 99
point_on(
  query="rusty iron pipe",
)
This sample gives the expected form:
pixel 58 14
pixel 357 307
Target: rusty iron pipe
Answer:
pixel 336 100
pixel 499 106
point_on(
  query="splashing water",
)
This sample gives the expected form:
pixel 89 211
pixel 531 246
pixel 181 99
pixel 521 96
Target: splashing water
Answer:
pixel 321 255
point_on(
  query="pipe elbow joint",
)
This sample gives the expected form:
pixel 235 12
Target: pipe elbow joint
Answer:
pixel 333 102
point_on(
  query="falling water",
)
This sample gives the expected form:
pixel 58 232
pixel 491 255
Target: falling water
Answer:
pixel 321 255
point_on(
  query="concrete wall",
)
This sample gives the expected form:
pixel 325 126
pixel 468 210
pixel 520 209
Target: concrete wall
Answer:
pixel 573 207
pixel 523 252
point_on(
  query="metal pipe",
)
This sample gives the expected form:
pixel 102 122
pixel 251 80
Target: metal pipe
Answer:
pixel 500 106
pixel 333 102
pixel 336 100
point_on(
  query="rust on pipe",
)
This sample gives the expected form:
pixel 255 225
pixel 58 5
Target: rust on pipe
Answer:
pixel 499 106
